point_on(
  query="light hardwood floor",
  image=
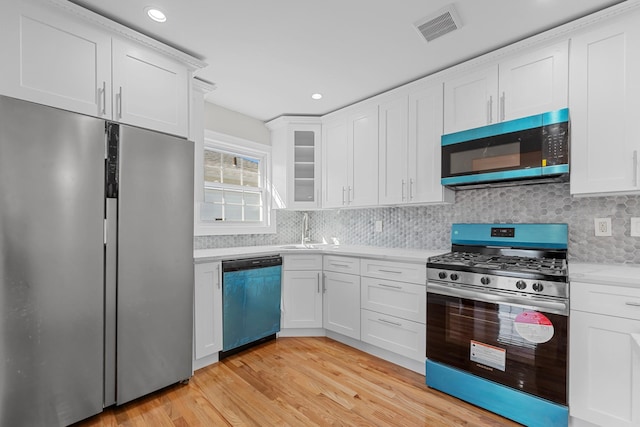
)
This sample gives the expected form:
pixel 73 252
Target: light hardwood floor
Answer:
pixel 299 382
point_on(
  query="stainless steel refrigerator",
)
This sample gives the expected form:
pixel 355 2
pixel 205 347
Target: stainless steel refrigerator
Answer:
pixel 96 263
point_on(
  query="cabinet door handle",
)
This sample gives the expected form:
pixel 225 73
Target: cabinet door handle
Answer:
pixel 632 304
pixel 343 191
pixel 119 103
pixel 318 282
pixel 349 198
pixel 104 98
pixel 218 275
pixel 389 286
pixel 390 323
pixel 502 112
pixel 411 189
pixel 403 186
pixel 635 168
pixel 324 286
pixel 489 112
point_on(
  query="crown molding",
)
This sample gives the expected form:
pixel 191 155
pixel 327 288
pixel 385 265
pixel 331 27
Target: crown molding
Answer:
pixel 126 32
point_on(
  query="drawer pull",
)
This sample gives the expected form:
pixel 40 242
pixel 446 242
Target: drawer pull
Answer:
pixel 339 265
pixel 389 286
pixel 390 323
pixel 390 271
pixel 632 304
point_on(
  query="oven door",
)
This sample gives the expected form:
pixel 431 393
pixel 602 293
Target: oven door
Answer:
pixel 489 335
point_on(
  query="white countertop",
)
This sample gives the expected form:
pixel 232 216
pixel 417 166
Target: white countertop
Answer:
pixel 392 254
pixel 606 274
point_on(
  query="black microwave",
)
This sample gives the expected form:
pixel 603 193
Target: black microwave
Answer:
pixel 527 150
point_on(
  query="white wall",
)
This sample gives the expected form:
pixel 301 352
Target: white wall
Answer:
pixel 220 119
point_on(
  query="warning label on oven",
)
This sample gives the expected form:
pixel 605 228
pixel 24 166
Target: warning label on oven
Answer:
pixel 488 355
pixel 534 326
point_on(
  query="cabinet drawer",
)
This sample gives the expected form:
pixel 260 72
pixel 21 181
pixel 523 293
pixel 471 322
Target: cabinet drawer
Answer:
pixel 342 264
pixel 402 271
pixel 397 335
pixel 302 262
pixel 405 300
pixel 619 301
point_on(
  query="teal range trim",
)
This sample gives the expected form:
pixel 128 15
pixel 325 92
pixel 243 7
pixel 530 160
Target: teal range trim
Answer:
pixel 510 126
pixel 521 407
pixel 539 236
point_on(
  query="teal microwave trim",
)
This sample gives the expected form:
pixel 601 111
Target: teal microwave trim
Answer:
pixel 492 176
pixel 531 122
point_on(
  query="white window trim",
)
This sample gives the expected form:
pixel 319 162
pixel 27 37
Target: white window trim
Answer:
pixel 217 140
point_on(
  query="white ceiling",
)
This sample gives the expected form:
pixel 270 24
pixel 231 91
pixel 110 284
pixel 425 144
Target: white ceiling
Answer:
pixel 266 58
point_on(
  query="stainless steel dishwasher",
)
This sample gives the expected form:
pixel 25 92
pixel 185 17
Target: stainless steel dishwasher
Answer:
pixel 250 302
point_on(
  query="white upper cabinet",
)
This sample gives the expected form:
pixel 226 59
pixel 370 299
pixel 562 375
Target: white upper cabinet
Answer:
pixel 350 159
pixel 363 139
pixel 296 144
pixel 393 177
pixel 424 157
pixel 605 105
pixel 71 59
pixel 471 100
pixel 149 89
pixel 410 130
pixel 521 86
pixel 54 60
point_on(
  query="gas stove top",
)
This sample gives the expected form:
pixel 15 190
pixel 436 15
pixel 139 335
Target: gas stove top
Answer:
pixel 517 266
pixel 524 259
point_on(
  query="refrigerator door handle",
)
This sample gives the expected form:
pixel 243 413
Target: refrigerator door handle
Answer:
pixel 110 284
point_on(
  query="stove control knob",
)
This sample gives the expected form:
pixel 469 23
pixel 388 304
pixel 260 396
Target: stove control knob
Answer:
pixel 485 280
pixel 453 276
pixel 442 275
pixel 538 287
pixel 521 284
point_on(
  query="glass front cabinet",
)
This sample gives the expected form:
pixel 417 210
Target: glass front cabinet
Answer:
pixel 296 162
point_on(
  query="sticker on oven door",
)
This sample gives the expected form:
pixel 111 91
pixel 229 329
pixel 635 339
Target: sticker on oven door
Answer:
pixel 485 354
pixel 534 326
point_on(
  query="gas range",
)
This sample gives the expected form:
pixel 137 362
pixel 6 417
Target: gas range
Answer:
pixel 515 259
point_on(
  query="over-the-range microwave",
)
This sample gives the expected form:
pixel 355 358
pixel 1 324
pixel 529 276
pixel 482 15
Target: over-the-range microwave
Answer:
pixel 527 150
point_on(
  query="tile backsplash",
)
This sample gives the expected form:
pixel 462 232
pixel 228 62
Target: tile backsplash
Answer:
pixel 428 227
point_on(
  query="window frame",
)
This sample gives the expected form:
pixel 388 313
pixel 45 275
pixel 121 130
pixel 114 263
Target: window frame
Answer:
pixel 241 147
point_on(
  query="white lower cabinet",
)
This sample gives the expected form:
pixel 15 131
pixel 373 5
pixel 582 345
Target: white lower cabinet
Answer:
pixel 604 375
pixel 393 301
pixel 341 302
pixel 302 291
pixel 207 310
pixel 397 335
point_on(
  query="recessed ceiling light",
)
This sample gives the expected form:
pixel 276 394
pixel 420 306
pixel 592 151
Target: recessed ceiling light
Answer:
pixel 316 96
pixel 155 14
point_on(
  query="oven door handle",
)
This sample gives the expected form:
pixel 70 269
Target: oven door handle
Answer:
pixel 492 296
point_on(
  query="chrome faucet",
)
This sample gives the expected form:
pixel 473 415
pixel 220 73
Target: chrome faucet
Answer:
pixel 306 234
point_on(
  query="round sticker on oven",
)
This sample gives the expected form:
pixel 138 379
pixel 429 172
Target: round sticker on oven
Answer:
pixel 534 326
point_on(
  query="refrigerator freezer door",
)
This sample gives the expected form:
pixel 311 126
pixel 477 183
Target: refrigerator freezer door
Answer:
pixel 51 265
pixel 155 262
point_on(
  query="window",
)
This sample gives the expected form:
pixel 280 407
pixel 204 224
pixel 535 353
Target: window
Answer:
pixel 234 196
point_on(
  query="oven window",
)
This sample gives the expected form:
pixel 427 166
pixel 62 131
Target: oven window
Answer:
pixel 489 340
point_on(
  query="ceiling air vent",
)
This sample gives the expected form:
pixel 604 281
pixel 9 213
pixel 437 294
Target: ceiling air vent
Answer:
pixel 437 25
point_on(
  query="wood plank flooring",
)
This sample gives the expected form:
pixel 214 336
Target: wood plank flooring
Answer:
pixel 299 382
